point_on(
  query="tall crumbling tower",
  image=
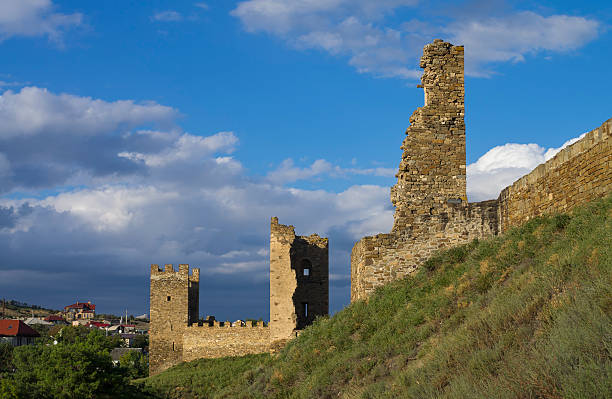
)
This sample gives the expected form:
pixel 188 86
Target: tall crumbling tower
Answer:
pixel 174 306
pixel 432 170
pixel 431 208
pixel 299 280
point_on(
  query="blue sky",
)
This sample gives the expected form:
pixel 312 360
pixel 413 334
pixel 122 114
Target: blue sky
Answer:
pixel 161 132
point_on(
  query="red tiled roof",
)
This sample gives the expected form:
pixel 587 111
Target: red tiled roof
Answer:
pixel 16 328
pixel 98 324
pixel 81 305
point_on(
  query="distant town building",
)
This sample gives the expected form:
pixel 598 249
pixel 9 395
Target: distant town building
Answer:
pixel 97 324
pixel 55 319
pixel 37 321
pixel 17 333
pixel 80 311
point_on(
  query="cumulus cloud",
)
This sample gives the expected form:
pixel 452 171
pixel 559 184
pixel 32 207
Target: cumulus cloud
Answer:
pixel 513 37
pixel 95 195
pixel 167 16
pixel 374 43
pixel 35 18
pixel 34 110
pixel 188 147
pixel 503 165
pixel 46 139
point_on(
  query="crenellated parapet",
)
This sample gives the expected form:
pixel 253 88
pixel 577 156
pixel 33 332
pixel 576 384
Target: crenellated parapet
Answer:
pixel 299 292
pixel 174 303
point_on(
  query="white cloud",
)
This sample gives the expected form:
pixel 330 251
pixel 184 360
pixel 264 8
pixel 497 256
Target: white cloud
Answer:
pixel 167 16
pixel 288 172
pixel 203 6
pixel 107 208
pixel 188 148
pixel 512 37
pixel 340 27
pixel 360 31
pixel 284 16
pixel 34 18
pixel 551 152
pixel 503 165
pixel 33 111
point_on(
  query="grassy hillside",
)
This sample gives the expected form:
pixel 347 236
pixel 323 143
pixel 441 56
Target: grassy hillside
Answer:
pixel 15 309
pixel 527 314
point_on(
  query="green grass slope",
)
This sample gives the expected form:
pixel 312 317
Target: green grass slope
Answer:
pixel 524 315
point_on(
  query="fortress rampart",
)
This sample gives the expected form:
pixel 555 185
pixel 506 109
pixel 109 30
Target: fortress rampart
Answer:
pixel 431 213
pixel 299 292
pixel 431 209
pixel 216 340
pixel 579 173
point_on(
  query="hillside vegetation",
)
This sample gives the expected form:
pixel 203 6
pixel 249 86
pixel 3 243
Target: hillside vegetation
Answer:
pixel 523 315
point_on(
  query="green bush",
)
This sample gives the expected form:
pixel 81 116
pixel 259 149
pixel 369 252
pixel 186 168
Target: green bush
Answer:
pixel 79 367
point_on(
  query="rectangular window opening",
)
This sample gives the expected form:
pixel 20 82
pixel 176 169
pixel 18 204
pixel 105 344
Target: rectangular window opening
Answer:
pixel 306 272
pixel 168 298
pixel 305 310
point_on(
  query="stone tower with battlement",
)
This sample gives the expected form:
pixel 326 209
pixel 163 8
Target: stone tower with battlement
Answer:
pixel 299 292
pixel 174 305
pixel 299 280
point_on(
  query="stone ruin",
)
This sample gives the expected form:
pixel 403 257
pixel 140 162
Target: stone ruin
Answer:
pixel 299 292
pixel 431 208
pixel 431 213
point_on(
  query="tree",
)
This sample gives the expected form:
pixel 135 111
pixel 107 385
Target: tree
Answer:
pixel 141 341
pixel 77 367
pixel 136 363
pixel 6 357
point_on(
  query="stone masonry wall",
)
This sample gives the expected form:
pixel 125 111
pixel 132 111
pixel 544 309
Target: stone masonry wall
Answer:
pixel 577 174
pixel 432 168
pixel 380 259
pixel 283 319
pixel 170 303
pixel 431 209
pixel 291 290
pixel 299 291
pixel 213 341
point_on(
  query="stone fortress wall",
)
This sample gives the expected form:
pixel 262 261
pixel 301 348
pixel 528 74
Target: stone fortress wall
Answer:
pixel 431 213
pixel 431 209
pixel 216 340
pixel 579 173
pixel 299 292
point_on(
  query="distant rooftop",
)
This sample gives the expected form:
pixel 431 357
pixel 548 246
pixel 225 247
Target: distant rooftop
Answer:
pixel 16 328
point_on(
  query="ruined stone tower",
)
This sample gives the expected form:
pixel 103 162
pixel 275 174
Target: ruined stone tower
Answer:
pixel 432 170
pixel 431 208
pixel 174 305
pixel 299 280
